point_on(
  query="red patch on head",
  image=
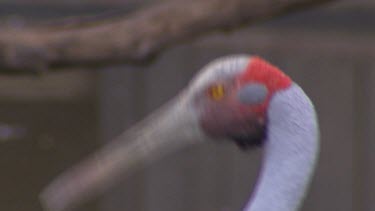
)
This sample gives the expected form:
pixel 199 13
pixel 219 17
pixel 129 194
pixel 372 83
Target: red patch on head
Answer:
pixel 260 71
pixel 263 72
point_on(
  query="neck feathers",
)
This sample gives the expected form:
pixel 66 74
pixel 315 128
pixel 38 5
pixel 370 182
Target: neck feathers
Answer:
pixel 291 149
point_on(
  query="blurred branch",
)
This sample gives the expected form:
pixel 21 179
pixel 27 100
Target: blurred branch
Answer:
pixel 135 38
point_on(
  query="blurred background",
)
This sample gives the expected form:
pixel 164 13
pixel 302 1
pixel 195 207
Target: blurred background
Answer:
pixel 51 120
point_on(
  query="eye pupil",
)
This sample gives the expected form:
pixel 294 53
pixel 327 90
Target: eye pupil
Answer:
pixel 217 92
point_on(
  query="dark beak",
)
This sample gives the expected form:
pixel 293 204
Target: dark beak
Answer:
pixel 167 130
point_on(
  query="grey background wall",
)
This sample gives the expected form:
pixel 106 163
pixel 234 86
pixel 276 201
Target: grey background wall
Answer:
pixel 330 52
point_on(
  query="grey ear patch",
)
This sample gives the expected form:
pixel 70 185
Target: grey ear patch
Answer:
pixel 253 94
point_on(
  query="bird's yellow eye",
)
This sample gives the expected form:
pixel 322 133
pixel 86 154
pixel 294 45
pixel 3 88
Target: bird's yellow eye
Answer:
pixel 216 92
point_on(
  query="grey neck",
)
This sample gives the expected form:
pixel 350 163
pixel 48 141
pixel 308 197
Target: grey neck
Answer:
pixel 291 150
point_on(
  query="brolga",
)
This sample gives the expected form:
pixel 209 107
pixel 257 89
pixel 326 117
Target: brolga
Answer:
pixel 241 99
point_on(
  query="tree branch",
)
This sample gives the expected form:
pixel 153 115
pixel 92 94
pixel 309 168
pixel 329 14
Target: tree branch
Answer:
pixel 134 38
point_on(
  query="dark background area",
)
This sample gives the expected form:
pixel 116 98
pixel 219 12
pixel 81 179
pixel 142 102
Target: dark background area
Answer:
pixel 56 119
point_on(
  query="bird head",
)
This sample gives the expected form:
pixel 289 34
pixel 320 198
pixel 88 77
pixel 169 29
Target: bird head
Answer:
pixel 240 98
pixel 231 96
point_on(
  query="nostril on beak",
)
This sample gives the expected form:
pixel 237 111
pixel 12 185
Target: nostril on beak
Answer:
pixel 252 94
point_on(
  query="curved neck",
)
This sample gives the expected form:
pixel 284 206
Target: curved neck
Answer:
pixel 290 153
